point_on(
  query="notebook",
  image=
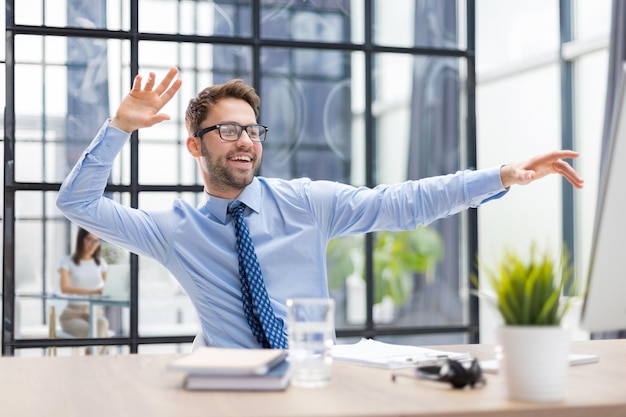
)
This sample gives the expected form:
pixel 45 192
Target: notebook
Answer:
pixel 276 379
pixel 228 361
pixel 117 283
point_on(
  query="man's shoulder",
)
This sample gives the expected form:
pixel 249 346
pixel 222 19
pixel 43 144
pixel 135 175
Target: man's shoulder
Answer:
pixel 284 185
pixel 283 181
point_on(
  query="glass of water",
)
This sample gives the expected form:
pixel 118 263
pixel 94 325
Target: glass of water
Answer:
pixel 311 336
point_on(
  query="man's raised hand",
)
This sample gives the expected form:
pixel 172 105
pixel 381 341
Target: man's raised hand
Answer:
pixel 141 107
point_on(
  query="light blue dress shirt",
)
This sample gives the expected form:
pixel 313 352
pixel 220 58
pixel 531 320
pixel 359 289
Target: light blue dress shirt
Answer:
pixel 290 221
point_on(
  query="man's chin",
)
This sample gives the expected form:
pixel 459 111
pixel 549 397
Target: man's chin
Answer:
pixel 245 178
pixel 232 179
pixel 242 182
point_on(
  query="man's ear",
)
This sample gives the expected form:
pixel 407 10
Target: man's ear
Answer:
pixel 193 146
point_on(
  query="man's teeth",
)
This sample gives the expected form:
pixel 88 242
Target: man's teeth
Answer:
pixel 241 158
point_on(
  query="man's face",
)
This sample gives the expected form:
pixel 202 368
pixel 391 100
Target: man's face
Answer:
pixel 228 167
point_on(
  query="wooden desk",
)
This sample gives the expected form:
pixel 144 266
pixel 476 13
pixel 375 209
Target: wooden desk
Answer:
pixel 140 385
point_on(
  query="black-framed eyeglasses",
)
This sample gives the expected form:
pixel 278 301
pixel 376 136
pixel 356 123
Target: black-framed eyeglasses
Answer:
pixel 231 132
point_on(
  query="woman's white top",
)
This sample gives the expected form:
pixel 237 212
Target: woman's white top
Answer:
pixel 85 275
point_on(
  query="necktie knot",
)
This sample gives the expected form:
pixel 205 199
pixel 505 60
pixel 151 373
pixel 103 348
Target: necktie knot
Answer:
pixel 236 209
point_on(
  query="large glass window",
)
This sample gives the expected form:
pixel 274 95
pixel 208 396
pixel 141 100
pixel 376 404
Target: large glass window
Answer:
pixel 306 101
pixel 541 74
pixel 352 91
pixel 91 14
pixel 429 23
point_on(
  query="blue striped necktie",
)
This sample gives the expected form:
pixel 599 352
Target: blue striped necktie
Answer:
pixel 266 327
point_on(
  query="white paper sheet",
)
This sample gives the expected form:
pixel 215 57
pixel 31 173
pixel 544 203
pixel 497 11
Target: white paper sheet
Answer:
pixel 386 355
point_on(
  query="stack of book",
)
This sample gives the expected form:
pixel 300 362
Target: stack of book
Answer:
pixel 210 368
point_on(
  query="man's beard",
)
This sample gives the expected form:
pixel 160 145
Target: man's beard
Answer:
pixel 220 174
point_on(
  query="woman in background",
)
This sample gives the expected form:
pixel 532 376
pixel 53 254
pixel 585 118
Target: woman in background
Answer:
pixel 83 273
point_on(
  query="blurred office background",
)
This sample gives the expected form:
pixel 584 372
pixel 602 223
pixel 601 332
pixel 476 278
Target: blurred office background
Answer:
pixel 358 91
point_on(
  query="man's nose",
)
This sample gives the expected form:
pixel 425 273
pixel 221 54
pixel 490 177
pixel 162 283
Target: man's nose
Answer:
pixel 244 140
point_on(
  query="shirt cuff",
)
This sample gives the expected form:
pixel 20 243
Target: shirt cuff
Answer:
pixel 108 142
pixel 484 185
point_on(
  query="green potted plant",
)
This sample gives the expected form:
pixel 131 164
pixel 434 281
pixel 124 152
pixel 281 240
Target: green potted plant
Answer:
pixel 530 296
pixel 398 256
pixel 530 293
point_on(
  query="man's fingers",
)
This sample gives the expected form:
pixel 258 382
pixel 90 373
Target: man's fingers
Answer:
pixel 164 86
pixel 568 154
pixel 137 83
pixel 569 173
pixel 150 83
pixel 553 158
pixel 167 96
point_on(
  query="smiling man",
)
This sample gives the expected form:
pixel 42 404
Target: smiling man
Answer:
pixel 222 115
pixel 239 278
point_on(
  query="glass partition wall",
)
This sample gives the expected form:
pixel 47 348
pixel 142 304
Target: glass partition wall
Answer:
pixel 358 91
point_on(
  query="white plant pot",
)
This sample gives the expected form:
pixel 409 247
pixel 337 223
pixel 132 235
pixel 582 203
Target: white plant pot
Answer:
pixel 534 362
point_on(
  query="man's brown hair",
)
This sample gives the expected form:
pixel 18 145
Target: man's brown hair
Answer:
pixel 200 105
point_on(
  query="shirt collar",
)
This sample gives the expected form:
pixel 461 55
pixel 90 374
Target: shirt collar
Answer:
pixel 250 196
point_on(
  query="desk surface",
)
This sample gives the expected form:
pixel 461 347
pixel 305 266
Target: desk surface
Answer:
pixel 136 385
